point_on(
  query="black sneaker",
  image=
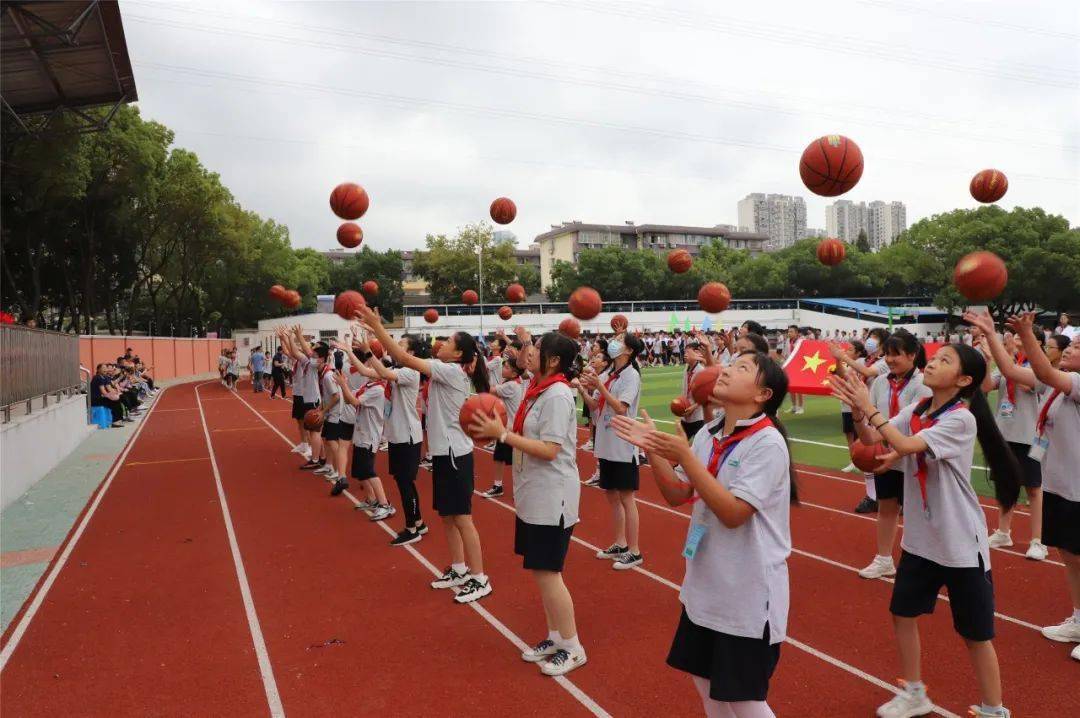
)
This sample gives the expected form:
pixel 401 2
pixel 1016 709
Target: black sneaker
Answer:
pixel 310 466
pixel 422 529
pixel 340 485
pixel 866 506
pixel 405 536
pixel 627 561
pixel 473 590
pixel 612 552
pixel 494 492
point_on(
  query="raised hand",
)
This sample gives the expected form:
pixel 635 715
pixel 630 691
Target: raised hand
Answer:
pixel 1022 323
pixel 980 320
pixel 630 431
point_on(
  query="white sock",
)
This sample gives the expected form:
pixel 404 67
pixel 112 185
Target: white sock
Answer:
pixel 481 577
pixel 871 487
pixel 915 687
pixel 1076 615
pixel 573 645
pixel 554 637
pixel 459 568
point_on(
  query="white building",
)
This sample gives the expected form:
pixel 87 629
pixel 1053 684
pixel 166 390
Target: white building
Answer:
pixel 782 217
pixel 844 220
pixel 885 222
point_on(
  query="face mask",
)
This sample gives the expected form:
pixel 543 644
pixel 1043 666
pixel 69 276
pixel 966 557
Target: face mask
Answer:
pixel 615 349
pixel 871 345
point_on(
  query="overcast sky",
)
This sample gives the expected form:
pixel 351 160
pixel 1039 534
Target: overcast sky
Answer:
pixel 606 112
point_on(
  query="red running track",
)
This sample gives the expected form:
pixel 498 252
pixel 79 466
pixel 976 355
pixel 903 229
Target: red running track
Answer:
pixel 147 615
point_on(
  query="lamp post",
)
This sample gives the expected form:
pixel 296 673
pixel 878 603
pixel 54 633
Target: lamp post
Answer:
pixel 480 284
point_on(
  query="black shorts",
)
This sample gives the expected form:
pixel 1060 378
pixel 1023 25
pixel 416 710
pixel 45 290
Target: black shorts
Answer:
pixel 890 485
pixel 543 547
pixel 971 594
pixel 336 431
pixel 363 463
pixel 404 461
pixel 618 475
pixel 690 428
pixel 1061 523
pixel 737 668
pixel 300 407
pixel 503 454
pixel 847 422
pixel 1030 469
pixel 231 376
pixel 452 485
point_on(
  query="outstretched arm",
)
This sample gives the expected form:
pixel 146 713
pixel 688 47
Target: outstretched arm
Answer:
pixel 1023 325
pixel 370 319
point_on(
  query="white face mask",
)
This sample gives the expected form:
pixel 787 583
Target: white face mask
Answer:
pixel 871 345
pixel 615 349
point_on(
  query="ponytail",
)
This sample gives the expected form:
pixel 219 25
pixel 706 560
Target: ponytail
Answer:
pixel 472 361
pixel 772 376
pixel 636 346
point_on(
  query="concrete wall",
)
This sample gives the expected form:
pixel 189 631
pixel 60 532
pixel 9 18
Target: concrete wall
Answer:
pixel 538 323
pixel 169 357
pixel 31 445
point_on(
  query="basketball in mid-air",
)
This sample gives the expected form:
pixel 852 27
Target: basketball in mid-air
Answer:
pixel 831 251
pixel 503 210
pixel 714 297
pixel 376 348
pixel 278 292
pixel 980 276
pixel 679 405
pixel 349 200
pixel 431 315
pixel 989 186
pixel 349 235
pixel 469 297
pixel 515 293
pixel 292 299
pixel 487 403
pixel 585 303
pixel 370 288
pixel 619 323
pixel 570 327
pixel 505 313
pixel 679 261
pixel 701 386
pixel 346 304
pixel 831 165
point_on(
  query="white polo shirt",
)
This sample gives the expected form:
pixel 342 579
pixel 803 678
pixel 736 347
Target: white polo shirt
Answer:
pixel 737 580
pixel 545 491
pixel 1017 425
pixel 403 424
pixel 510 392
pixel 448 391
pixel 331 389
pixel 306 380
pixel 911 393
pixel 370 416
pixel 494 368
pixel 607 445
pixel 1061 464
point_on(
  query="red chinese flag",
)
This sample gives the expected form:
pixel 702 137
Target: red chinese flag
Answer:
pixel 808 367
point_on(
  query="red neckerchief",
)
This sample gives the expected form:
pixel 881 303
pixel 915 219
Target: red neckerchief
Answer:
pixel 607 385
pixel 1010 385
pixel 536 388
pixel 722 448
pixel 916 425
pixel 323 370
pixel 380 382
pixel 1040 423
pixel 895 387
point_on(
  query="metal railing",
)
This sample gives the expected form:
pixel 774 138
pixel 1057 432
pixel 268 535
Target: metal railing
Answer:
pixel 36 364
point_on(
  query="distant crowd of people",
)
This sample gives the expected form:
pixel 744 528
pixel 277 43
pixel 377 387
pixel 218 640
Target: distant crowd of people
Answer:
pixel 122 386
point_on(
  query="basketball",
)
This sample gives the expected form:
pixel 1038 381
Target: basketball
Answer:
pixel 349 235
pixel 469 297
pixel 570 327
pixel 831 252
pixel 831 165
pixel 292 299
pixel 431 315
pixel 505 313
pixel 619 323
pixel 346 304
pixel 278 292
pixel 678 406
pixel 702 385
pixel 515 293
pixel 585 303
pixel 370 288
pixel 679 261
pixel 376 348
pixel 349 200
pixel 503 210
pixel 313 420
pixel 486 403
pixel 980 276
pixel 865 457
pixel 989 186
pixel 714 297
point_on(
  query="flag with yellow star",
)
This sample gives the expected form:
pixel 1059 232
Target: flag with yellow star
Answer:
pixel 809 367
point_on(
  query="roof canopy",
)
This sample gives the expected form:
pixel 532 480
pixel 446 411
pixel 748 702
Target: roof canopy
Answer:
pixel 62 56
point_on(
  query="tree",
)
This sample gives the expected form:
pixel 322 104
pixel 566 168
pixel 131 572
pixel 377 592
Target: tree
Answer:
pixel 450 266
pixel 385 268
pixel 862 242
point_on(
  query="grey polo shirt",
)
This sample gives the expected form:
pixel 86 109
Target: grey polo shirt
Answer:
pixel 545 491
pixel 449 389
pixel 403 424
pixel 1061 464
pixel 607 445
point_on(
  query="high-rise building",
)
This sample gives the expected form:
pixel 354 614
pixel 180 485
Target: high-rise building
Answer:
pixel 814 232
pixel 782 217
pixel 503 236
pixel 882 221
pixel 844 220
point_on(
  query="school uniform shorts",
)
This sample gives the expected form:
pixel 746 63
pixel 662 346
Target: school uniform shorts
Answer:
pixel 847 423
pixel 503 454
pixel 890 485
pixel 737 668
pixel 1061 522
pixel 363 463
pixel 336 431
pixel 543 548
pixel 452 484
pixel 618 475
pixel 300 407
pixel 1030 469
pixel 971 594
pixel 404 460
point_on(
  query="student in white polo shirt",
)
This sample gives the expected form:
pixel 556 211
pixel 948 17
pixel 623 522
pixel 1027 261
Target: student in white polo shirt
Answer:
pixel 333 410
pixel 305 391
pixel 945 542
pixel 510 390
pixel 697 355
pixel 547 490
pixel 457 367
pixel 739 477
pixel 1057 446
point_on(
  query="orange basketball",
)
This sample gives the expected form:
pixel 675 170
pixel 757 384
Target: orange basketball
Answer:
pixel 989 186
pixel 486 403
pixel 278 292
pixel 349 200
pixel 515 293
pixel 714 297
pixel 679 405
pixel 505 313
pixel 292 299
pixel 349 235
pixel 313 420
pixel 370 288
pixel 503 210
pixel 831 252
pixel 585 303
pixel 619 323
pixel 679 261
pixel 831 165
pixel 469 297
pixel 702 386
pixel 865 457
pixel 980 276
pixel 570 327
pixel 431 315
pixel 346 304
pixel 376 348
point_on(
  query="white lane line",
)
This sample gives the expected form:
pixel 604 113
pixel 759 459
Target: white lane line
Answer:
pixel 39 597
pixel 859 673
pixel 569 686
pixel 273 698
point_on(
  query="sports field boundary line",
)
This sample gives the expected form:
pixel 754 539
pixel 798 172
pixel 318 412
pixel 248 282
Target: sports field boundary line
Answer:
pixel 266 669
pixel 61 558
pixel 569 686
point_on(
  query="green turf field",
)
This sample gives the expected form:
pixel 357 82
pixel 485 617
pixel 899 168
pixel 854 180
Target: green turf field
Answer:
pixel 820 423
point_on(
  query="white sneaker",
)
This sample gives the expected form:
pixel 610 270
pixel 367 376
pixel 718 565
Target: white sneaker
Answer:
pixel 800 410
pixel 562 661
pixel 906 704
pixel 1068 631
pixel 1000 539
pixel 325 469
pixel 1037 551
pixel 880 567
pixel 587 446
pixel 1075 655
pixel 299 449
pixel 978 712
pixel 473 590
pixel 539 652
pixel 851 469
pixel 383 512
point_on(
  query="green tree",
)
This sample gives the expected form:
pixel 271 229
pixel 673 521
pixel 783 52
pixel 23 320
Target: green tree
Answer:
pixel 385 268
pixel 450 265
pixel 862 242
